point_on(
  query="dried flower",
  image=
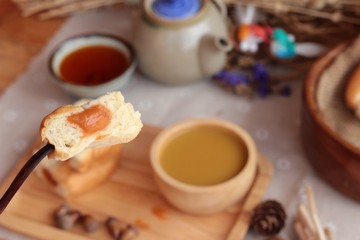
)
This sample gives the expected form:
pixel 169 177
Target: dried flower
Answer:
pixel 231 78
pixel 285 91
pixel 261 79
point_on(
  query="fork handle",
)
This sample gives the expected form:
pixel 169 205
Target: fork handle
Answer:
pixel 23 174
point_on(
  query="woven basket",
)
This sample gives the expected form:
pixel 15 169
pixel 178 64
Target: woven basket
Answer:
pixel 330 132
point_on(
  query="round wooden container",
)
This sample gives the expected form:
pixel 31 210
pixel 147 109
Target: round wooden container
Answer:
pixel 206 199
pixel 334 159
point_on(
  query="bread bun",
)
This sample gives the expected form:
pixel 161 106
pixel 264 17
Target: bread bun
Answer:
pixel 104 121
pixel 83 161
pixel 69 182
pixel 352 91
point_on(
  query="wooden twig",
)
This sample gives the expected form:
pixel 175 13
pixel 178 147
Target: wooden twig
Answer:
pixel 46 9
pixel 306 220
pixel 74 7
pixel 26 1
pixel 307 223
pixel 314 214
pixel 280 7
pixel 300 3
pixel 45 5
pixel 298 227
pixel 328 234
pixel 350 2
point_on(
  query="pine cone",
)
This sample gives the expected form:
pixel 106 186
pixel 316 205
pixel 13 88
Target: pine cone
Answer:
pixel 268 218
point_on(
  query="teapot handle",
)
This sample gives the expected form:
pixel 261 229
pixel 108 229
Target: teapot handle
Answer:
pixel 222 7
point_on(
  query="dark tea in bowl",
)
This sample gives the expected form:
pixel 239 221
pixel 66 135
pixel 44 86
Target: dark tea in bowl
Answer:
pixel 203 166
pixel 92 65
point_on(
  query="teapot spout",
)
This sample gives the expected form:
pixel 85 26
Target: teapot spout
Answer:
pixel 212 54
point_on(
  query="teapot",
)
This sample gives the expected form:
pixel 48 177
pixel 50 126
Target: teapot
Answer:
pixel 181 41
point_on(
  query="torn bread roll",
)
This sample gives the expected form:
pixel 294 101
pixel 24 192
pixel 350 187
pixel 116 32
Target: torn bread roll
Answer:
pixel 82 162
pixel 69 182
pixel 352 91
pixel 104 121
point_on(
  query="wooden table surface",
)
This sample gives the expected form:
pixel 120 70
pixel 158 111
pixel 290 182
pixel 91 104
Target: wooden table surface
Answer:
pixel 20 40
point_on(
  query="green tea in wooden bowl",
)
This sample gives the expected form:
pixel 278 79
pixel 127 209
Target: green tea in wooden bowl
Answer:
pixel 204 156
pixel 202 166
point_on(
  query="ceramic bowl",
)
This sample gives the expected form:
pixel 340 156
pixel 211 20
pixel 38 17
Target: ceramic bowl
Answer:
pixel 196 199
pixel 75 43
pixel 334 159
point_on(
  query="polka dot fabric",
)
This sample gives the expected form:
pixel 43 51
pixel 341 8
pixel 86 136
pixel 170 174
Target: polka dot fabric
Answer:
pixel 273 122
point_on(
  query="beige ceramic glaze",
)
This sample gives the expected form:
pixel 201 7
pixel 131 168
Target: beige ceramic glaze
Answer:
pixel 203 199
pixel 182 51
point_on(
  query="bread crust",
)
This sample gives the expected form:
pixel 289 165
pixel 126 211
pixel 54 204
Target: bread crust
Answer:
pixel 352 90
pixel 68 182
pixel 68 138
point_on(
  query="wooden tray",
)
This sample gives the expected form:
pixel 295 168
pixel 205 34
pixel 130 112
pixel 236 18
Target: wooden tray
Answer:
pixel 131 195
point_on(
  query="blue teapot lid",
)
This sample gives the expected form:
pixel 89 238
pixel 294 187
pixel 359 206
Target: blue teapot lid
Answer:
pixel 176 9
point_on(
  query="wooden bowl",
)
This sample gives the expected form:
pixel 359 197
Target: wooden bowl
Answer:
pixel 204 199
pixel 334 159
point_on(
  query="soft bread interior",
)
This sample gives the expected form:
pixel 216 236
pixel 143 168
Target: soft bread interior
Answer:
pixel 69 139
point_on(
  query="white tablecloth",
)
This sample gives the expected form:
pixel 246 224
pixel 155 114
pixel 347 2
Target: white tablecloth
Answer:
pixel 273 122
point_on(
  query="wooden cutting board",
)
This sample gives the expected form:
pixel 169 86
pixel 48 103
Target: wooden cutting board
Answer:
pixel 131 195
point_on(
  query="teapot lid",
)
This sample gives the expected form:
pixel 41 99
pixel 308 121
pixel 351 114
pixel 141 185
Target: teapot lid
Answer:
pixel 176 9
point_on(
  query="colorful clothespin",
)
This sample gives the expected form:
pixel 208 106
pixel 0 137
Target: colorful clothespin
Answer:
pixel 283 44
